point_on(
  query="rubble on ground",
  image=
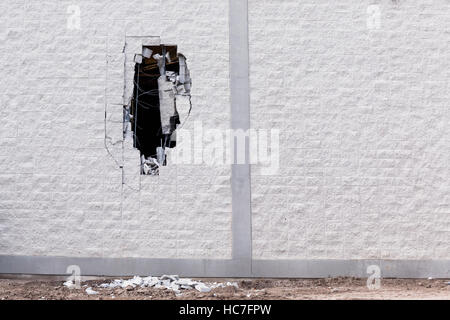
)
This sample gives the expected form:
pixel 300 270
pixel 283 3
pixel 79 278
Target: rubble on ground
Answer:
pixel 169 282
pixel 69 284
pixel 90 291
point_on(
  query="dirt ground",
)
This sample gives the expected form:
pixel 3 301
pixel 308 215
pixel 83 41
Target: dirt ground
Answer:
pixel 330 288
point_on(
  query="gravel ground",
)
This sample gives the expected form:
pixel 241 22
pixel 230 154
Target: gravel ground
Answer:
pixel 330 288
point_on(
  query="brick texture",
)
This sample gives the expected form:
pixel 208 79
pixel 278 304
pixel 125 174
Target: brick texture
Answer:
pixel 365 141
pixel 363 115
pixel 61 191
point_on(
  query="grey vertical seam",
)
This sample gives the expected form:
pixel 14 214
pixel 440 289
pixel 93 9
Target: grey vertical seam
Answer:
pixel 240 119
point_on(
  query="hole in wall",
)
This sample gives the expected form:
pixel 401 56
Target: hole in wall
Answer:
pixel 161 100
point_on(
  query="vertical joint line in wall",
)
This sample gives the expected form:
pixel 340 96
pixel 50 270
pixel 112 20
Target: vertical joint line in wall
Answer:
pixel 248 146
pixel 106 137
pixel 240 119
pixel 124 103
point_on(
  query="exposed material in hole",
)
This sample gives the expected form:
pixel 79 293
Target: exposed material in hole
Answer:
pixel 161 101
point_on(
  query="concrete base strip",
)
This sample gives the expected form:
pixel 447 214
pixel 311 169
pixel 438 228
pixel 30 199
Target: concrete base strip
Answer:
pixel 224 268
pixel 120 266
pixel 351 268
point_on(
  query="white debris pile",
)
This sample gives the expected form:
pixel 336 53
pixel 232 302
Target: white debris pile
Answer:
pixel 90 291
pixel 69 284
pixel 170 282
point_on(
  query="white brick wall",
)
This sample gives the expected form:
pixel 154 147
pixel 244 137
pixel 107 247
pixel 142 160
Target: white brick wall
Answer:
pixel 363 116
pixel 61 193
pixel 364 119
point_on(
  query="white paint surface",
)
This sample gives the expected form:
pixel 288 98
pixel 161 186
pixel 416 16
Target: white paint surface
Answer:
pixel 61 192
pixel 364 129
pixel 363 116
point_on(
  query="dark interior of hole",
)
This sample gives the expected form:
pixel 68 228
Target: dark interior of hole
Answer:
pixel 146 121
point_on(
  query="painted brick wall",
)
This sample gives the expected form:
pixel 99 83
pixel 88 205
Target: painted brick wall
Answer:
pixel 363 115
pixel 364 120
pixel 61 192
